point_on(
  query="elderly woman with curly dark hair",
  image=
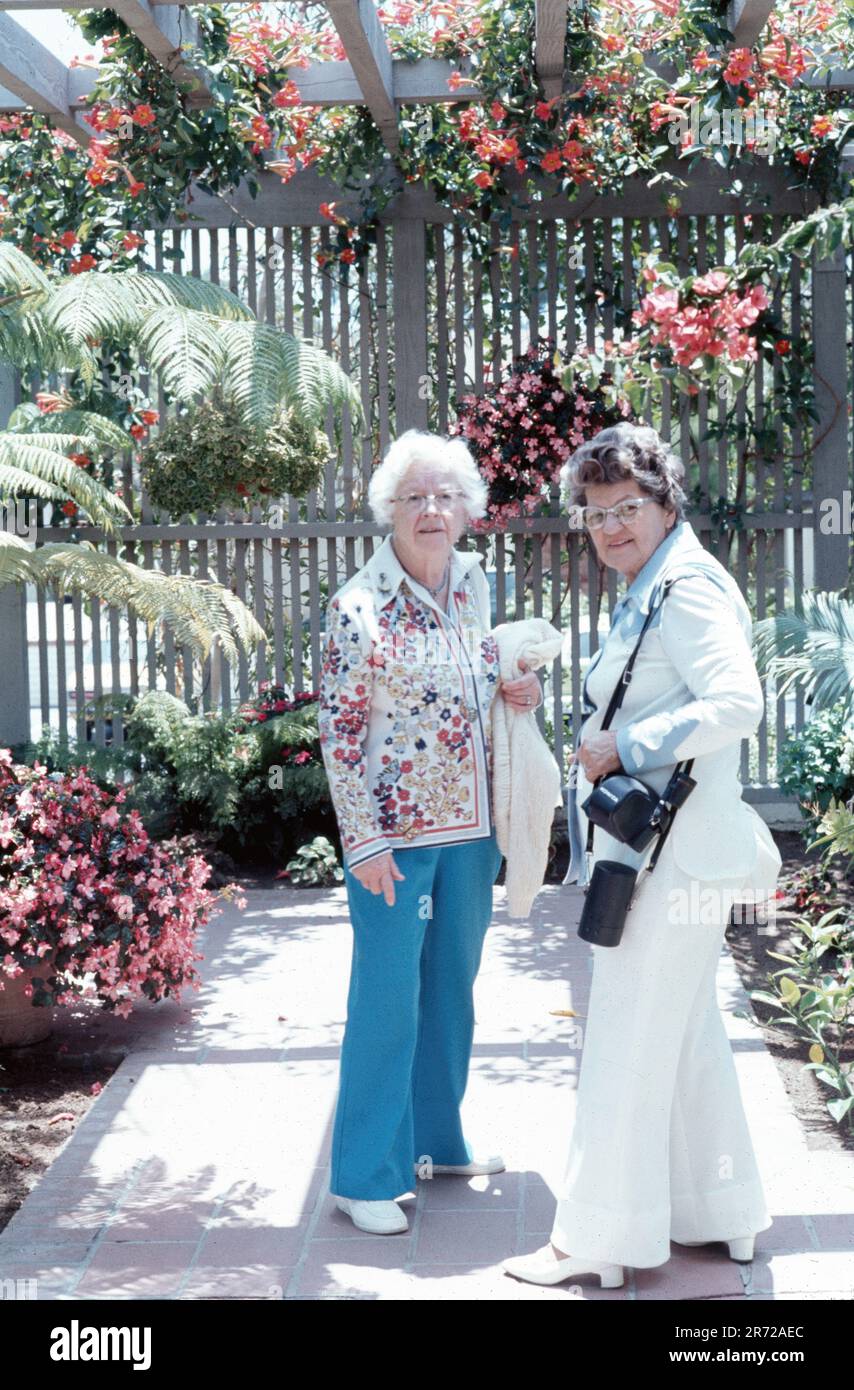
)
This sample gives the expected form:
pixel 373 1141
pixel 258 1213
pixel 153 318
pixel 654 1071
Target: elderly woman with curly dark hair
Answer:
pixel 661 1147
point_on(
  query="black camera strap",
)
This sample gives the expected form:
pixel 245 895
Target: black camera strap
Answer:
pixel 617 699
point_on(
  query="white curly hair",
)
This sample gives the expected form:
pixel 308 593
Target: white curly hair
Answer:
pixel 419 446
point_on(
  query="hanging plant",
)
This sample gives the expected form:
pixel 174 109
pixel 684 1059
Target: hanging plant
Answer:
pixel 206 459
pixel 522 430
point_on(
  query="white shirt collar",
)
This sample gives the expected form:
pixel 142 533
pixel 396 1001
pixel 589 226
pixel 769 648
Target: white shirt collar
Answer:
pixel 387 573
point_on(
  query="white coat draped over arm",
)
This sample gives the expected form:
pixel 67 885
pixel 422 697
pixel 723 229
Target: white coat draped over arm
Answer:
pixel 526 781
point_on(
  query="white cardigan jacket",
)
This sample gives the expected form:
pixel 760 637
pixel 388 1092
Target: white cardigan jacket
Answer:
pixel 526 780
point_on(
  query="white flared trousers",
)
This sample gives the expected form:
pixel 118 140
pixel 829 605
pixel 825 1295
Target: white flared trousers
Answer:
pixel 660 1146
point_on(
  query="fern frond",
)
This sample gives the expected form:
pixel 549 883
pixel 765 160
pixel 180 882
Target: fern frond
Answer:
pixel 16 556
pixel 28 419
pixel 811 649
pixel 20 278
pixel 199 612
pixel 89 307
pixel 161 288
pixel 36 465
pixel 265 369
pixel 184 348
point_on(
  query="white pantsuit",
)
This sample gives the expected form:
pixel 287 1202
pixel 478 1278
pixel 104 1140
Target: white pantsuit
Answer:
pixel 661 1146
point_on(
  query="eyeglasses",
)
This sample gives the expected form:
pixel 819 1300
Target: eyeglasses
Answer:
pixel 418 501
pixel 625 512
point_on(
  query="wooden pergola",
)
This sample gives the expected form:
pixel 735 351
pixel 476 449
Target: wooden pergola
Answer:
pixel 32 77
pixel 287 215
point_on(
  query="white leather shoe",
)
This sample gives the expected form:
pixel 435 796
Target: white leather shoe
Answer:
pixel 740 1247
pixel 380 1218
pixel 542 1268
pixel 470 1170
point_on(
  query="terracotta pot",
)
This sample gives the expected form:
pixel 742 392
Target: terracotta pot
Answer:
pixel 21 1023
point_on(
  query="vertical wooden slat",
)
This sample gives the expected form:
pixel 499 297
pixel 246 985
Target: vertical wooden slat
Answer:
pixel 515 289
pixel 572 278
pixel 758 235
pixel 442 331
pixel 476 269
pixel 495 306
pixel 43 655
pixel 382 358
pixel 533 241
pixel 798 468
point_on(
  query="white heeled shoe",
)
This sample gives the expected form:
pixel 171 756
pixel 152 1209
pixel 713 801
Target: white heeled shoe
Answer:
pixel 470 1170
pixel 380 1218
pixel 542 1268
pixel 740 1247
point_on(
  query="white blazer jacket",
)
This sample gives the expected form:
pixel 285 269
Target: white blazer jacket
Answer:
pixel 694 693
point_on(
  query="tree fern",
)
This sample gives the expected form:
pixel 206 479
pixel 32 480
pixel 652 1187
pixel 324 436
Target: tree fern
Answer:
pixel 28 419
pixel 184 348
pixel 191 333
pixel 265 368
pixel 811 649
pixel 35 465
pixel 199 612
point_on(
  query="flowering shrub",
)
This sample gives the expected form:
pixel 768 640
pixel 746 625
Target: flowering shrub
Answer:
pixel 82 884
pixel 251 782
pixel 273 700
pixel 712 318
pixel 523 429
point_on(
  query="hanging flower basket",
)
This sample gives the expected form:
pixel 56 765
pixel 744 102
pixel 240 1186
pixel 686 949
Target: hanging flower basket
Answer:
pixel 522 430
pixel 206 459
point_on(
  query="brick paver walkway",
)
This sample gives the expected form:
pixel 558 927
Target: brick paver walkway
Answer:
pixel 201 1170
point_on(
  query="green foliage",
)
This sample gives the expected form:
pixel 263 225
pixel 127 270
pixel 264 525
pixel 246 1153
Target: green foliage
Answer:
pixel 258 787
pixel 315 865
pixel 811 648
pixel 836 831
pixel 817 764
pixel 814 996
pixel 207 459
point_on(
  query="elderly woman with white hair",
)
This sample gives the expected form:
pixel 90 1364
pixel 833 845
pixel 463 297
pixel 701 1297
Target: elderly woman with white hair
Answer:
pixel 409 675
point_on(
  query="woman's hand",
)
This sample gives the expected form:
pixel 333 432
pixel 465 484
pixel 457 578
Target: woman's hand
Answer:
pixel 378 876
pixel 524 693
pixel 598 755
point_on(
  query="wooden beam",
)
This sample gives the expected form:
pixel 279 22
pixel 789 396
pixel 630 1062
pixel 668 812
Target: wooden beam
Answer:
pixel 297 202
pixel 361 34
pixel 746 19
pixel 163 34
pixel 36 77
pixel 550 44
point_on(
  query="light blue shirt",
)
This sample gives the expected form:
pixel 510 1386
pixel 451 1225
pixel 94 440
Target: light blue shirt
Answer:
pixel 694 689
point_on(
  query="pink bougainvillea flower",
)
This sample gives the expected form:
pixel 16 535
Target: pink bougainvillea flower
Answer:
pixel 712 283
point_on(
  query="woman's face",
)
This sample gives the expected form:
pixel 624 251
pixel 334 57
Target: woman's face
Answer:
pixel 626 548
pixel 439 526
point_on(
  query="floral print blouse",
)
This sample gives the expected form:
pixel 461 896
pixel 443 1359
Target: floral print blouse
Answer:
pixel 406 695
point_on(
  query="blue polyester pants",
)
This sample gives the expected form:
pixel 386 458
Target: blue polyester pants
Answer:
pixel 410 1018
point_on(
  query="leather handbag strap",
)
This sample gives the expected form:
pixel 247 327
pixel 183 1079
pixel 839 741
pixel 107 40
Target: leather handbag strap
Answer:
pixel 617 699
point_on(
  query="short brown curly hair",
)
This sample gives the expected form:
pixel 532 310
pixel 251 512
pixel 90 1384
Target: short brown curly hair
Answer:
pixel 621 452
